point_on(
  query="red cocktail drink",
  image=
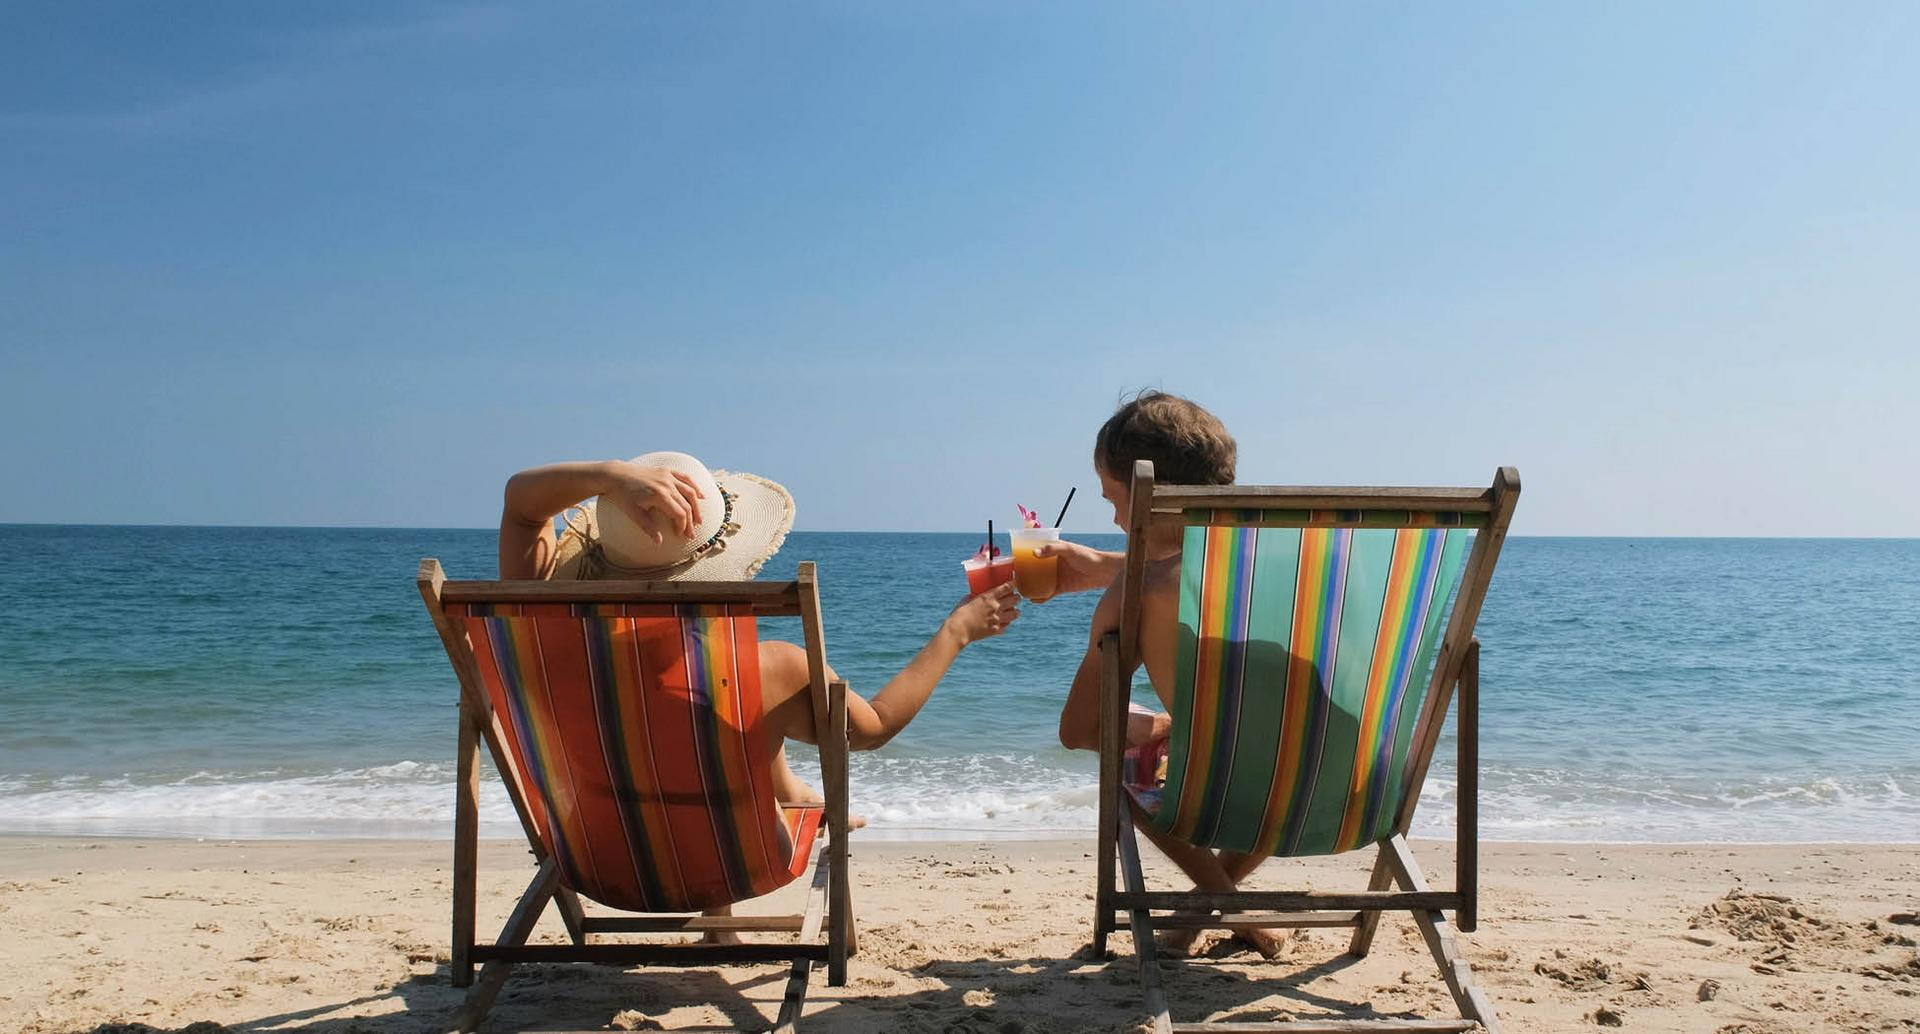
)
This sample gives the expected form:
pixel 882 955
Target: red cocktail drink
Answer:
pixel 984 574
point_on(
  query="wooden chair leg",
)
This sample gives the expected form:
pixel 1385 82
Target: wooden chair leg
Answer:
pixel 796 997
pixel 840 927
pixel 571 913
pixel 1441 943
pixel 519 925
pixel 1110 745
pixel 840 936
pixel 1144 947
pixel 1381 879
pixel 1466 864
pixel 466 847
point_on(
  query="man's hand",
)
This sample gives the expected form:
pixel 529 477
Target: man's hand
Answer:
pixel 1082 568
pixel 985 615
pixel 656 498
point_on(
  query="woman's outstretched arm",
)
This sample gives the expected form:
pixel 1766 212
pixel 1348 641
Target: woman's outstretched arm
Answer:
pixel 872 722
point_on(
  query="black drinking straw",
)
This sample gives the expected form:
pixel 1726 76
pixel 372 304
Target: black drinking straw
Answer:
pixel 1063 506
pixel 989 540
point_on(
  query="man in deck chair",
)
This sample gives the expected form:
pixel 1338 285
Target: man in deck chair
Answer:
pixel 1190 446
pixel 666 516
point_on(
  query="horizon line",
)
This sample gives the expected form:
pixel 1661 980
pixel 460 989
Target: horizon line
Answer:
pixel 872 531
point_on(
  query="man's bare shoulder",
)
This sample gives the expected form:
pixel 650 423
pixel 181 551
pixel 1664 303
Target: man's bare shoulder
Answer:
pixel 1160 594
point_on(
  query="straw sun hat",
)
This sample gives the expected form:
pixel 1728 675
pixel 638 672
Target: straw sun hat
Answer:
pixel 743 520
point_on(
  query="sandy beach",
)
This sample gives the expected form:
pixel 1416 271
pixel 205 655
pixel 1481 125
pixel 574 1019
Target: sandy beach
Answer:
pixel 109 935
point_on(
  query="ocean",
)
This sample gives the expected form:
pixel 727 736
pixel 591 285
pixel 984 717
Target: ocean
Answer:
pixel 286 683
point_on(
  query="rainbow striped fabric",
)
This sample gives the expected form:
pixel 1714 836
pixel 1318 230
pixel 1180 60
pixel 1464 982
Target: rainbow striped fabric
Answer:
pixel 634 733
pixel 1303 660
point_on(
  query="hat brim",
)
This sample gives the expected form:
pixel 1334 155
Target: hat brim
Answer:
pixel 762 515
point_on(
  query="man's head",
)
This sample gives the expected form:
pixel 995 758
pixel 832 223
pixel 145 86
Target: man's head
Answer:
pixel 1187 444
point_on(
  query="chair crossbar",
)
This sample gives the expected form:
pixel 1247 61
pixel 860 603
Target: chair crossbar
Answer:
pixel 691 924
pixel 1382 1026
pixel 1249 920
pixel 1234 497
pixel 770 594
pixel 629 954
pixel 1286 901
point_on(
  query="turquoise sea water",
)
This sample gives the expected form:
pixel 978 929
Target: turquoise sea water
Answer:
pixel 286 682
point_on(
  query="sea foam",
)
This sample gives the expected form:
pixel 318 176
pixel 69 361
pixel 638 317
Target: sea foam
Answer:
pixel 998 796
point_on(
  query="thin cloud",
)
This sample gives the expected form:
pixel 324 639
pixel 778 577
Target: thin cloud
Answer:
pixel 316 63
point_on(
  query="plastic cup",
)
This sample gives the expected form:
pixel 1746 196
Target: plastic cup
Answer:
pixel 982 575
pixel 1036 577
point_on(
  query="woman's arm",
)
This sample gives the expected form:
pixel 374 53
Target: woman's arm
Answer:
pixel 657 499
pixel 871 724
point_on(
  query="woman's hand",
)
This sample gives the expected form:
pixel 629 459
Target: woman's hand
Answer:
pixel 985 615
pixel 1082 568
pixel 656 498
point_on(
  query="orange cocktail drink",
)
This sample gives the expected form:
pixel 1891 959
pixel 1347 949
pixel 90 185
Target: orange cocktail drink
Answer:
pixel 1036 577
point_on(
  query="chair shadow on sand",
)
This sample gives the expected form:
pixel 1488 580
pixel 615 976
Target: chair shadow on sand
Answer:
pixel 982 995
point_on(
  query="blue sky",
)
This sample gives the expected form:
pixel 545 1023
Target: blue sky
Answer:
pixel 354 264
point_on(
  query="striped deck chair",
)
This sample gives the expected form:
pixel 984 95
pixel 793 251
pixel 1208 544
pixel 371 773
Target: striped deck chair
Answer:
pixel 624 720
pixel 1322 633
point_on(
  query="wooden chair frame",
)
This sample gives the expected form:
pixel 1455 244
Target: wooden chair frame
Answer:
pixel 829 901
pixel 1456 668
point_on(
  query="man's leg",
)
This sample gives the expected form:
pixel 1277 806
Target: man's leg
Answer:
pixel 1240 866
pixel 1205 869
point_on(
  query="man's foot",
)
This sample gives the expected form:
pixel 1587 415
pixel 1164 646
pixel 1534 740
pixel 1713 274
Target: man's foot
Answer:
pixel 1262 941
pixel 1177 944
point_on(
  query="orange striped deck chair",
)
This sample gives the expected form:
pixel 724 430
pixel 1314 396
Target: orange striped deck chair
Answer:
pixel 1322 633
pixel 624 719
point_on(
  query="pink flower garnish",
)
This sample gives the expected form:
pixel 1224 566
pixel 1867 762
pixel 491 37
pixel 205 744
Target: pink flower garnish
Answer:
pixel 1032 519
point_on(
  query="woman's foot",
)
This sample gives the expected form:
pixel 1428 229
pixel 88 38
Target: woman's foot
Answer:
pixel 720 936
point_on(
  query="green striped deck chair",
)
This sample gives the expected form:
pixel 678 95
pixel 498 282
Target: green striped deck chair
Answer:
pixel 624 719
pixel 1322 634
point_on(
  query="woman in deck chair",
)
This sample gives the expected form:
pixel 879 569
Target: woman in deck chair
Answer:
pixel 665 516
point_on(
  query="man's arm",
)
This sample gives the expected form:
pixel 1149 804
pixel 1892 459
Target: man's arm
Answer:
pixel 1080 717
pixel 1082 568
